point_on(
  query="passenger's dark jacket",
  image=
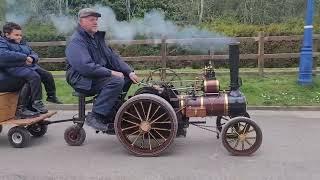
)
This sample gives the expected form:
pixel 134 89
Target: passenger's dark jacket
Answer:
pixel 86 63
pixel 14 55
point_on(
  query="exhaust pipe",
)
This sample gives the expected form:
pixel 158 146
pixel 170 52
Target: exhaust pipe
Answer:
pixel 234 67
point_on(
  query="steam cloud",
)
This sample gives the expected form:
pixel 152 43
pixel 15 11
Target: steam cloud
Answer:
pixel 153 25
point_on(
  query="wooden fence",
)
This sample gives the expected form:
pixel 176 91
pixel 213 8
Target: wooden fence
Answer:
pixel 164 57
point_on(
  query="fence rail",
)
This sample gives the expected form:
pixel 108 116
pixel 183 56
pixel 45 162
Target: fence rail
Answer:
pixel 261 39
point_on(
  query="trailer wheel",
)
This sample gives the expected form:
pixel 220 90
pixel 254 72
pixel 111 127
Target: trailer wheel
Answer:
pixel 37 130
pixel 146 125
pixel 74 135
pixel 242 141
pixel 19 137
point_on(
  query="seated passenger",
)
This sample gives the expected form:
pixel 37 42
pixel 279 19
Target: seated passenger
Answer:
pixel 19 61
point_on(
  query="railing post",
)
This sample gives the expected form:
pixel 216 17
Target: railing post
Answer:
pixel 315 60
pixel 163 53
pixel 261 53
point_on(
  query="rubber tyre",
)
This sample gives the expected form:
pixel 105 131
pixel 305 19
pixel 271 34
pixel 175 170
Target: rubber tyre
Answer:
pixel 74 135
pixel 1 128
pixel 19 137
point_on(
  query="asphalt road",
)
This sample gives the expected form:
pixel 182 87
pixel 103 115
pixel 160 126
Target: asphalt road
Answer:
pixel 290 150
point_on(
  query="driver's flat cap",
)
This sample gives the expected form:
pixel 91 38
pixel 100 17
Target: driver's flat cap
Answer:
pixel 86 12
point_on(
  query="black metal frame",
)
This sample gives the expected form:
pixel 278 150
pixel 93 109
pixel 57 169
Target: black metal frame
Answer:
pixel 81 112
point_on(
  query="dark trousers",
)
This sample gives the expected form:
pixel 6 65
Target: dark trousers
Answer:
pixel 47 80
pixel 31 77
pixel 108 91
pixel 12 84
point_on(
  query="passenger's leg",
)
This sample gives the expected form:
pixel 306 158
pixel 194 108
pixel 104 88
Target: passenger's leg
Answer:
pixel 12 84
pixel 34 81
pixel 32 78
pixel 24 103
pixel 49 84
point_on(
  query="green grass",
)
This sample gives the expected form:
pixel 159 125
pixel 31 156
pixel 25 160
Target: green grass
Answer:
pixel 270 90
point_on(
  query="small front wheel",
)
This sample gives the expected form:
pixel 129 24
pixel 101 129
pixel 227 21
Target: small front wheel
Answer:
pixel 37 130
pixel 241 136
pixel 19 137
pixel 74 135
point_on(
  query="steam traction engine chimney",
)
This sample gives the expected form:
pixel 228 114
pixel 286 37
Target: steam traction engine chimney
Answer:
pixel 234 65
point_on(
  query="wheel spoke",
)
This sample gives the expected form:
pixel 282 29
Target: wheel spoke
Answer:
pixel 163 122
pixel 149 111
pixel 130 122
pixel 154 138
pixel 160 135
pixel 132 133
pixel 149 141
pixel 248 142
pixel 129 128
pixel 161 129
pixel 136 139
pixel 158 118
pixel 236 145
pixel 155 112
pixel 142 143
pixel 137 112
pixel 251 137
pixel 250 131
pixel 144 113
pixel 230 140
pixel 132 115
pixel 242 145
pixel 235 131
pixel 231 135
pixel 246 128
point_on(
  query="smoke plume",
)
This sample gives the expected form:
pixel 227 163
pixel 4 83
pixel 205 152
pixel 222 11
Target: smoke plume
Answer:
pixel 153 25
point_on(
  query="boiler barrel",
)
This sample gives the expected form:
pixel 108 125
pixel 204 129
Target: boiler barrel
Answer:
pixel 220 105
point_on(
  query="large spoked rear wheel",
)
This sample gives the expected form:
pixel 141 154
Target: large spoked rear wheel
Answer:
pixel 244 140
pixel 146 125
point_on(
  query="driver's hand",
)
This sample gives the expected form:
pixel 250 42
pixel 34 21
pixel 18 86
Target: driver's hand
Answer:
pixel 134 78
pixel 29 60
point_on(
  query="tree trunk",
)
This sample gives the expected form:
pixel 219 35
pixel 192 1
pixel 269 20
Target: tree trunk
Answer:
pixel 128 7
pixel 2 12
pixel 67 6
pixel 201 11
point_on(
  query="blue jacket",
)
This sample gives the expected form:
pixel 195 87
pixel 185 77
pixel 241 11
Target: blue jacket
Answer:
pixel 90 58
pixel 14 55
